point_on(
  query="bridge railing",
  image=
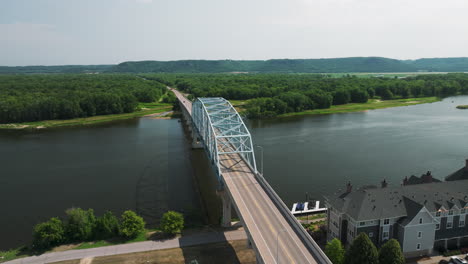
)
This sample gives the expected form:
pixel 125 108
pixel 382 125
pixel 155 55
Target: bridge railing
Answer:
pixel 308 241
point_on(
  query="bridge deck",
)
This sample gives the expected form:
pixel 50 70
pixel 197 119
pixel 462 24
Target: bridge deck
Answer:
pixel 273 236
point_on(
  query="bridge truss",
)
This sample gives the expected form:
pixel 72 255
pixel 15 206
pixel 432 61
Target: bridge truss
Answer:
pixel 222 131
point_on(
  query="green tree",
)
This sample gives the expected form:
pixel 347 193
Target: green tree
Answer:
pixel 387 94
pixel 80 224
pixel 391 253
pixel 341 97
pixel 172 222
pixel 335 251
pixel 131 224
pixel 48 234
pixel 107 226
pixel 362 251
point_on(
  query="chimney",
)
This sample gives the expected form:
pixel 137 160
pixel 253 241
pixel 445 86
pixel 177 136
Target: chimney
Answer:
pixel 405 180
pixel 349 187
pixel 466 165
pixel 427 178
pixel 384 183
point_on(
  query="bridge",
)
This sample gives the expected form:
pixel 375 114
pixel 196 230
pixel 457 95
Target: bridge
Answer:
pixel 273 232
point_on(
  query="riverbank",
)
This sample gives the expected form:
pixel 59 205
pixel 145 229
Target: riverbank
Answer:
pixel 372 104
pixel 154 244
pixel 145 109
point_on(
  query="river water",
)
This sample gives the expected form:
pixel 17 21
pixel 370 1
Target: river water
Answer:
pixel 147 164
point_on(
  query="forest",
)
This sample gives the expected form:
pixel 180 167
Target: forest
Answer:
pixel 274 94
pixel 27 98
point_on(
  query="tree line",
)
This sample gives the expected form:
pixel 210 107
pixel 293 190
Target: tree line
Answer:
pixel 27 98
pixel 82 225
pixel 363 251
pixel 275 94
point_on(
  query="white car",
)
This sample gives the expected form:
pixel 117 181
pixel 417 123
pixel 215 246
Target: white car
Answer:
pixel 457 260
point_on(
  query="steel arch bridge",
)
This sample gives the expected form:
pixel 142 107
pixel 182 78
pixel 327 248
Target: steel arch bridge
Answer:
pixel 222 131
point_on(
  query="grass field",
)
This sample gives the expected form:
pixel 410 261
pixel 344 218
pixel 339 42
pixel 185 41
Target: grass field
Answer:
pixel 228 252
pixel 146 109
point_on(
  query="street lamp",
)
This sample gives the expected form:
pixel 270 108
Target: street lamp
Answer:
pixel 277 235
pixel 261 160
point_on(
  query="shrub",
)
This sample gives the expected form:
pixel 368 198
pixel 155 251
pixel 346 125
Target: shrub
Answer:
pixel 172 222
pixel 107 226
pixel 131 224
pixel 80 224
pixel 48 234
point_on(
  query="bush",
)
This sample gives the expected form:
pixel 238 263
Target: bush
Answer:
pixel 48 234
pixel 80 224
pixel 452 253
pixel 107 226
pixel 172 222
pixel 131 225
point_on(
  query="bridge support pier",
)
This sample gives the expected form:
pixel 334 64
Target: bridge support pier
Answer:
pixel 227 208
pixel 196 140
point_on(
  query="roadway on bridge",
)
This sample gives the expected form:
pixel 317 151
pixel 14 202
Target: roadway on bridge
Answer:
pixel 273 236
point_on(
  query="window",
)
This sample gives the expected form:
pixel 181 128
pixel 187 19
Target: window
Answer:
pixel 371 234
pixel 418 246
pixel 437 226
pixel 461 223
pixel 449 225
pixel 462 211
pixel 419 234
pixel 450 212
pixel 362 223
pixel 437 214
pixel 386 221
pixel 420 220
pixel 385 234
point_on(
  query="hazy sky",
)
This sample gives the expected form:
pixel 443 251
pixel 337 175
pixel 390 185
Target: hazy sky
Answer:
pixel 57 32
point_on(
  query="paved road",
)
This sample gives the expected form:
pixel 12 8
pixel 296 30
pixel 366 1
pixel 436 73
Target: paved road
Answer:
pixel 197 239
pixel 274 238
pixel 187 103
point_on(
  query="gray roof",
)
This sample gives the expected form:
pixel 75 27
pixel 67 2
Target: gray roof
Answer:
pixel 389 202
pixel 461 174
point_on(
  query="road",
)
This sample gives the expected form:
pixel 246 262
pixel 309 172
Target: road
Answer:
pixel 276 241
pixel 197 239
pixel 187 103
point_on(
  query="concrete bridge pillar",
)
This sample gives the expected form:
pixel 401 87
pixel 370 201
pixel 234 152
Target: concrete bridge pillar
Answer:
pixel 227 208
pixel 196 140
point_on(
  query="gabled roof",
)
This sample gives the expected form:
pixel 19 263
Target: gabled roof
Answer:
pixel 390 202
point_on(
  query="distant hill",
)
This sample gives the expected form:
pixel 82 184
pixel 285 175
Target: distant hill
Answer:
pixel 358 64
pixel 55 69
pixel 441 64
pixel 334 65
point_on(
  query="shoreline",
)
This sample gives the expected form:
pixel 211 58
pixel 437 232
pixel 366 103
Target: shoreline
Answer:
pixel 372 104
pixel 163 111
pixel 153 110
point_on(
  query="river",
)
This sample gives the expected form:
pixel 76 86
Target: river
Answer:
pixel 147 164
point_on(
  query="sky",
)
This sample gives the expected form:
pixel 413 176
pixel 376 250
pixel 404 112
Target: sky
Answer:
pixel 64 32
